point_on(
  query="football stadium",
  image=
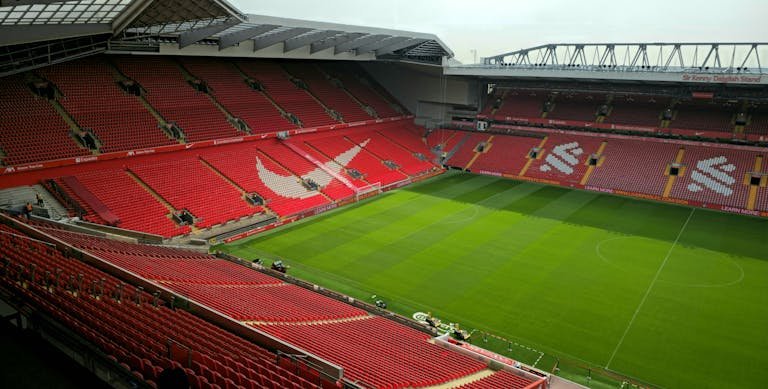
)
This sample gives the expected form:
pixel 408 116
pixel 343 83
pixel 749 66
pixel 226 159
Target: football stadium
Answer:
pixel 195 196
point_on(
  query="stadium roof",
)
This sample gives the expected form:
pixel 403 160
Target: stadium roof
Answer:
pixel 35 33
pixel 712 62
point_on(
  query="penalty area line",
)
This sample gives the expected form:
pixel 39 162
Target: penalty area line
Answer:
pixel 650 287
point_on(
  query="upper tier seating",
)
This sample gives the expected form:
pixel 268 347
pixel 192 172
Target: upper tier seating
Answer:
pixel 135 207
pixel 379 352
pixel 580 106
pixel 703 116
pixel 187 184
pixel 367 94
pixel 637 110
pixel 96 102
pixel 564 158
pixel 506 154
pixel 231 91
pixel 332 96
pixel 714 176
pixel 255 172
pixel 285 93
pixel 521 104
pixel 30 129
pixel 137 336
pixel 622 158
pixel 491 101
pixel 758 121
pixel 175 99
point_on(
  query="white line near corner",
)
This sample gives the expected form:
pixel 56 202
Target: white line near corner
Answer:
pixel 650 287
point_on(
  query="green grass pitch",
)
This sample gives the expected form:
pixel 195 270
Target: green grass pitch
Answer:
pixel 669 295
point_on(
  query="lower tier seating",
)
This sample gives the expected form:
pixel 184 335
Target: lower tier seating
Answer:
pixel 445 140
pixel 379 352
pixel 714 176
pixel 187 184
pixel 564 158
pixel 500 380
pixel 466 150
pixel 409 136
pixel 143 338
pixel 507 154
pixel 762 193
pixel 272 303
pixel 135 207
pixel 305 169
pixel 255 172
pixel 363 161
pixel 384 149
pixel 619 168
pixel 372 350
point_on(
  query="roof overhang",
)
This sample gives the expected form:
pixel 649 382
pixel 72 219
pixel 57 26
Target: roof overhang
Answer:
pixel 35 28
pixel 276 37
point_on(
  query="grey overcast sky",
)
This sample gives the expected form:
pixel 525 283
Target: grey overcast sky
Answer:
pixel 496 26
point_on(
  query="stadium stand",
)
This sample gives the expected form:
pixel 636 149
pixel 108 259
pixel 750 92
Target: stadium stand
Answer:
pixel 139 337
pixel 506 155
pixel 703 116
pixel 466 149
pixel 446 139
pixel 305 169
pixel 620 161
pixel 384 149
pixel 92 96
pixel 714 176
pixel 564 158
pixel 638 110
pixel 26 117
pixel 330 163
pixel 135 207
pixel 242 101
pixel 175 99
pixel 762 192
pixel 186 183
pixel 521 104
pixel 378 352
pixel 351 77
pixel 256 173
pixel 410 137
pixel 371 167
pixel 499 380
pixel 577 106
pixel 758 121
pixel 272 303
pixel 332 96
pixel 286 94
pixel 373 350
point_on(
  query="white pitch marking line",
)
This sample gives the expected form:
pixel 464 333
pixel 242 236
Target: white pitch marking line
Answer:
pixel 648 291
